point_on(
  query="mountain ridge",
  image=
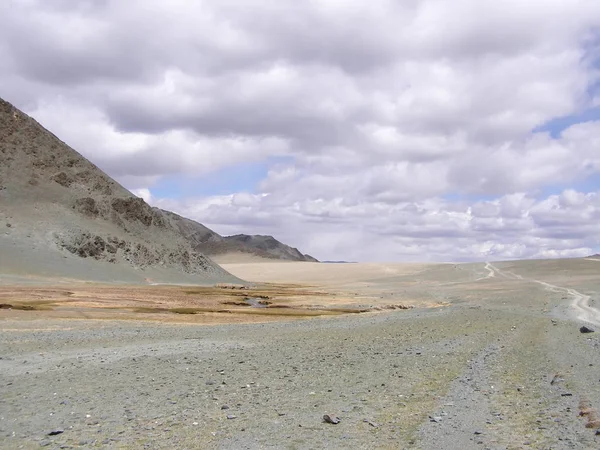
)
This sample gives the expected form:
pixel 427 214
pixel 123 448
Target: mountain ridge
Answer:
pixel 212 243
pixel 62 216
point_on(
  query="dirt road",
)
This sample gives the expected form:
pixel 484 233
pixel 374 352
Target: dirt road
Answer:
pixel 580 303
pixel 498 364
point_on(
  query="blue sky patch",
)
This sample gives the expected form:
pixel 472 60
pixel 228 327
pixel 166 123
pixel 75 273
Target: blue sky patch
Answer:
pixel 228 180
pixel 556 126
pixel 587 185
pixel 470 198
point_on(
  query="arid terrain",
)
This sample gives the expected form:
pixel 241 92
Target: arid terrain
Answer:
pixel 440 356
pixel 123 325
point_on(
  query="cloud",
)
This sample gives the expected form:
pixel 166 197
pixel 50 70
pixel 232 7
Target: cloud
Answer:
pixel 399 110
pixel 511 226
pixel 143 193
pixel 150 156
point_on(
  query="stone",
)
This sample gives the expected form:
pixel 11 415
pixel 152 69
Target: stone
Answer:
pixel 585 329
pixel 331 419
pixel 373 424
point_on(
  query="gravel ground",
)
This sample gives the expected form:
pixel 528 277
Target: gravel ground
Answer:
pixel 503 365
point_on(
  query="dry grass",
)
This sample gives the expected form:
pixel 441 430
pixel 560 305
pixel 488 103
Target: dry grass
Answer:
pixel 216 304
pixel 591 414
pixel 300 290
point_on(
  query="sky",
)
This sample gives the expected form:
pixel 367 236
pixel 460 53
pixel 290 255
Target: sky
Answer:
pixel 415 130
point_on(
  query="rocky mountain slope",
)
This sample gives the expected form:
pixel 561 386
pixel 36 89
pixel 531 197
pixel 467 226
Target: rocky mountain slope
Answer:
pixel 268 247
pixel 61 216
pixel 210 243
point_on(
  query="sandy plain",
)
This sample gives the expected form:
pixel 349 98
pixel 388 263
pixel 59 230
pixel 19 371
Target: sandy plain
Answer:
pixel 440 356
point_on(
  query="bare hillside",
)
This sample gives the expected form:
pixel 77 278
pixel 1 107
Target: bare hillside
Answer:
pixel 266 247
pixel 62 216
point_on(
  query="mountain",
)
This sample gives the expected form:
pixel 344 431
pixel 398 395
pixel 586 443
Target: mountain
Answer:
pixel 62 217
pixel 206 241
pixel 267 247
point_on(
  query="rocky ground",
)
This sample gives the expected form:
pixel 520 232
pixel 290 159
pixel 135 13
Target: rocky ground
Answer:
pixel 500 363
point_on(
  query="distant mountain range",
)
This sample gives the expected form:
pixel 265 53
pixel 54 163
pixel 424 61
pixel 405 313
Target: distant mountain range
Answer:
pixel 211 243
pixel 60 215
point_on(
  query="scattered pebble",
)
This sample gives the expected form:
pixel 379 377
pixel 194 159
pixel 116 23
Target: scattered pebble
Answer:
pixel 373 424
pixel 585 329
pixel 331 419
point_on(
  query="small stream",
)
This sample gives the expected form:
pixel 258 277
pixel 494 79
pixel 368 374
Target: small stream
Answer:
pixel 255 302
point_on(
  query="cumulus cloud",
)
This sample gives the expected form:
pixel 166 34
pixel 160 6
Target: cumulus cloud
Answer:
pixel 508 227
pixel 389 114
pixel 143 193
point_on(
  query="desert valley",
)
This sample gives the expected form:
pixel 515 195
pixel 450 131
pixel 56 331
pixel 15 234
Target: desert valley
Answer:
pixel 126 326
